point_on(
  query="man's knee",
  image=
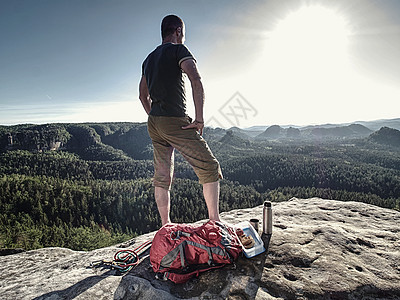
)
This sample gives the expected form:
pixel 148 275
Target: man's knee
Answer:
pixel 212 173
pixel 162 184
pixel 162 180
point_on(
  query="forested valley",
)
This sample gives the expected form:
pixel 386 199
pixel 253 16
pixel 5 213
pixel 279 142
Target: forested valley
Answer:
pixel 86 186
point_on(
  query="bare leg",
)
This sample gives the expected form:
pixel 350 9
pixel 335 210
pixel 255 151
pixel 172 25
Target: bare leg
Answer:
pixel 211 195
pixel 163 204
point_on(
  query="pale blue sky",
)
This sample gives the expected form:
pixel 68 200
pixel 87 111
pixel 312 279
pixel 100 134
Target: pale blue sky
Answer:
pixel 78 61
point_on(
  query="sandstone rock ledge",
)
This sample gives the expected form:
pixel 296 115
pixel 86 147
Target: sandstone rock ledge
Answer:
pixel 320 249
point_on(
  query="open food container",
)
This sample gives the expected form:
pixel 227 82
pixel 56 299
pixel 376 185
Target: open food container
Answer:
pixel 249 230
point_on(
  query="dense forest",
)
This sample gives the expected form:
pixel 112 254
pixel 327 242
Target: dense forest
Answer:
pixel 85 186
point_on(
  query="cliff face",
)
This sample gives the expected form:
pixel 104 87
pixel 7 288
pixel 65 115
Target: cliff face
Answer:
pixel 115 140
pixel 320 249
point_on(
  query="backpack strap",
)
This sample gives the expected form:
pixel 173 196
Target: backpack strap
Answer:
pixel 170 257
pixel 183 277
pixel 210 250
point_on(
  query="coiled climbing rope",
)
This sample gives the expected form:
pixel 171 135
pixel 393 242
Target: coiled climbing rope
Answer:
pixel 125 260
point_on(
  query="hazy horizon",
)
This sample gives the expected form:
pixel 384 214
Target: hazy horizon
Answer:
pixel 262 62
pixel 261 126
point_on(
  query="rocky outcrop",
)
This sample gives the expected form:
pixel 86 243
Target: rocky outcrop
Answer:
pixel 320 249
pixel 386 136
pixel 333 250
pixel 272 132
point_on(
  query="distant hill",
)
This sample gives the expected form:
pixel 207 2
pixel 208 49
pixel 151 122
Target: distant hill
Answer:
pixel 242 133
pixel 277 132
pixel 350 131
pixel 232 139
pixel 253 131
pixel 213 133
pixel 293 133
pixel 377 124
pixel 372 125
pixel 272 132
pixel 315 132
pixel 386 136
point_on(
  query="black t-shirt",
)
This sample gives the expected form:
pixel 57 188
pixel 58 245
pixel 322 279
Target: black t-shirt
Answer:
pixel 164 78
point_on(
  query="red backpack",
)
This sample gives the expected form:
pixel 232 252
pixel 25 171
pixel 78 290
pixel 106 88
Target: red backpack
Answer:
pixel 181 251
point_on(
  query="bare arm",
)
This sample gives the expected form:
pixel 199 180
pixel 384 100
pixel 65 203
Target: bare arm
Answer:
pixel 144 95
pixel 190 68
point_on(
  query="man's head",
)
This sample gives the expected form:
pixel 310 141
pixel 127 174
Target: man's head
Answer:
pixel 173 29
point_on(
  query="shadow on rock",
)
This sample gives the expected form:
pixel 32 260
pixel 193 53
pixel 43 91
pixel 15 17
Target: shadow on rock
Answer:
pixel 76 289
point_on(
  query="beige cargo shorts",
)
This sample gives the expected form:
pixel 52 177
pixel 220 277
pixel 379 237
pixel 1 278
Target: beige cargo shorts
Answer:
pixel 167 134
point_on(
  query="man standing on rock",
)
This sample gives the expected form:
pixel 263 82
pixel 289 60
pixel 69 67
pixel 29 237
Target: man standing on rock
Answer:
pixel 162 93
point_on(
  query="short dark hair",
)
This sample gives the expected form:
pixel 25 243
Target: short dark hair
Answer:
pixel 169 24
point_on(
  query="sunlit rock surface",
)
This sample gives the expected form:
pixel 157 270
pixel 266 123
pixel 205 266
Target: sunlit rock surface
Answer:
pixel 320 249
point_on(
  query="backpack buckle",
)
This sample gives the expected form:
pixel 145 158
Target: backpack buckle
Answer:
pixel 178 234
pixel 162 276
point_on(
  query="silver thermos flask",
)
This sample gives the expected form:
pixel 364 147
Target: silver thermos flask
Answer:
pixel 267 218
